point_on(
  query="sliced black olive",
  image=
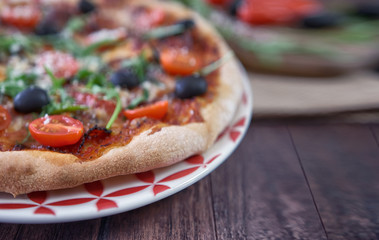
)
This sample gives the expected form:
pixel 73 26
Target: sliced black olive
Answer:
pixel 190 86
pixel 233 7
pixel 32 99
pixel 369 10
pixel 186 23
pixel 46 27
pixel 86 6
pixel 321 20
pixel 125 78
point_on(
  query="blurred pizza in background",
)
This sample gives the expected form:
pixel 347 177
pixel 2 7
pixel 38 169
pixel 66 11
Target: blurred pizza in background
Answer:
pixel 298 37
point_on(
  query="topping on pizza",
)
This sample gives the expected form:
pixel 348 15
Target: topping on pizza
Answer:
pixel 72 70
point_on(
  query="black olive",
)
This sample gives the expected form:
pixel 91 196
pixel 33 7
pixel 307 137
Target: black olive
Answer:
pixel 186 23
pixel 321 20
pixel 233 7
pixel 86 6
pixel 125 78
pixel 46 27
pixel 369 10
pixel 190 86
pixel 32 99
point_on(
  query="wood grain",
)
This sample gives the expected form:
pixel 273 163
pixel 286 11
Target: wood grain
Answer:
pixel 8 231
pixel 74 230
pixel 261 193
pixel 342 166
pixel 186 215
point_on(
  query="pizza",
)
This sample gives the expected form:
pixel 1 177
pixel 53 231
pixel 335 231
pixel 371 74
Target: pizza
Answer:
pixel 298 37
pixel 95 89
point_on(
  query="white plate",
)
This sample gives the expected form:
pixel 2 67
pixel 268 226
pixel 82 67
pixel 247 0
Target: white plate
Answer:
pixel 124 193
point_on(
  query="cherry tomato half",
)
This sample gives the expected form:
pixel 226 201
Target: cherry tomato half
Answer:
pixel 149 18
pixel 24 16
pixel 260 12
pixel 179 61
pixel 156 111
pixel 56 130
pixel 5 118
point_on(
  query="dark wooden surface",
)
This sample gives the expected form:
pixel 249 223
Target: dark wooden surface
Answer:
pixel 285 181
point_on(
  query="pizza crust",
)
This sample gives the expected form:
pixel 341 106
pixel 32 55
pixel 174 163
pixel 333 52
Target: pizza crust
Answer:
pixel 31 170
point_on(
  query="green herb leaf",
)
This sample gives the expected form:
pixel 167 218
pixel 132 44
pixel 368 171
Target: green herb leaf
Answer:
pixel 97 45
pixel 216 64
pixel 12 85
pixel 199 6
pixel 165 31
pixel 109 93
pixel 65 102
pixel 139 64
pixel 116 112
pixel 137 101
pixel 57 82
pixel 16 42
pixel 75 24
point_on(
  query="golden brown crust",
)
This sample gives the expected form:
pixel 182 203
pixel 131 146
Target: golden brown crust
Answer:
pixel 27 171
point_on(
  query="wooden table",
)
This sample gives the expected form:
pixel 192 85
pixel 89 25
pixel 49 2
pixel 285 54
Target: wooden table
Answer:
pixel 285 181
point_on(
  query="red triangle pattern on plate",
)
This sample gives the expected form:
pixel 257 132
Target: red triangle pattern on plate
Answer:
pixel 126 191
pixel 240 123
pixel 94 188
pixel 38 197
pixel 179 174
pixel 16 205
pixel 44 210
pixel 71 202
pixel 159 188
pixel 147 177
pixel 103 204
pixel 196 159
pixel 213 158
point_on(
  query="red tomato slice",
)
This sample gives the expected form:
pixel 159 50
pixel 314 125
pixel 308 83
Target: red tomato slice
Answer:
pixel 23 16
pixel 156 111
pixel 56 130
pixel 179 61
pixel 260 12
pixel 5 118
pixel 63 65
pixel 149 18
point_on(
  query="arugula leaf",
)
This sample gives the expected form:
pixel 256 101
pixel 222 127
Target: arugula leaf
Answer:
pixel 57 82
pixel 64 44
pixel 215 65
pixel 138 64
pixel 16 42
pixel 165 31
pixel 65 102
pixel 97 45
pixel 137 101
pixel 74 24
pixel 92 78
pixel 12 85
pixel 110 93
pixel 116 112
pixel 199 6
